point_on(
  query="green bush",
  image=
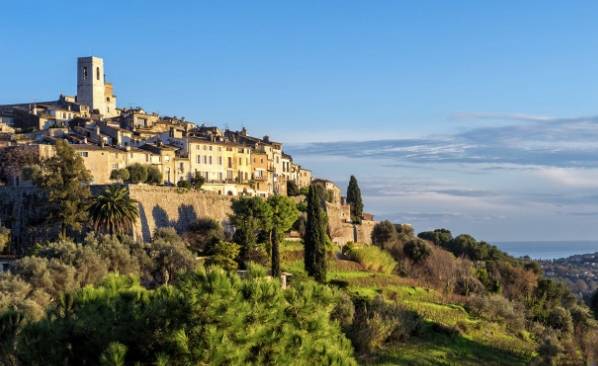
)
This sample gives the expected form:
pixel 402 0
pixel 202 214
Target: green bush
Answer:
pixel 377 323
pixel 370 257
pixel 120 174
pixel 197 181
pixel 208 317
pixel 417 250
pixel 183 184
pixel 154 176
pixel 384 234
pixel 224 254
pixel 203 234
pixel 137 173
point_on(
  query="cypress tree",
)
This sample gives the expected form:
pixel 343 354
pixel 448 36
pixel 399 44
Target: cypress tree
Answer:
pixel 315 236
pixel 354 199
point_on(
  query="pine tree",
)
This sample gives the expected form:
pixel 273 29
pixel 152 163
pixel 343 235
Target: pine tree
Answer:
pixel 315 236
pixel 66 181
pixel 251 217
pixel 284 214
pixel 354 199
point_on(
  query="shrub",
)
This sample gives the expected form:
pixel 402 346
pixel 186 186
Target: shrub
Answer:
pixel 559 318
pixel 197 181
pixel 183 184
pixel 496 308
pixel 466 284
pixel 377 323
pixel 207 317
pixel 137 173
pixel 344 310
pixel 224 254
pixel 417 250
pixel 120 174
pixel 370 257
pixel 440 237
pixel 203 234
pixel 154 176
pixel 384 234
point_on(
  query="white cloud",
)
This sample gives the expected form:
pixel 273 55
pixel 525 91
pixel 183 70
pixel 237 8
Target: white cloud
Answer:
pixel 570 177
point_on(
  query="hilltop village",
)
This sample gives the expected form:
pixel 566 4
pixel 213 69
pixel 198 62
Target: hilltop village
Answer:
pixel 110 138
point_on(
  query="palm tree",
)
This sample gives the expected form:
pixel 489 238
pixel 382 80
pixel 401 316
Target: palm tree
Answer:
pixel 113 211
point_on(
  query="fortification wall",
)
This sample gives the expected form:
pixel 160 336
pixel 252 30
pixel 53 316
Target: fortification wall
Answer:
pixel 342 230
pixel 168 206
pixel 21 210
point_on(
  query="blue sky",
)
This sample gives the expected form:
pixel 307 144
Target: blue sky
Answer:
pixel 486 109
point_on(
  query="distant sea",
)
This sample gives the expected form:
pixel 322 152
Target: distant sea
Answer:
pixel 548 249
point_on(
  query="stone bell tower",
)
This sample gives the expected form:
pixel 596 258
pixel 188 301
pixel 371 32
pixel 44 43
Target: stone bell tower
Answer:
pixel 92 89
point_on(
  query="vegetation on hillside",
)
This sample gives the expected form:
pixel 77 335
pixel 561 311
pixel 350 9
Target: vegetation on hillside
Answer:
pixel 95 296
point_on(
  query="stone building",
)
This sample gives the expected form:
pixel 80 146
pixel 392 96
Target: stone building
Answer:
pixel 109 138
pixel 304 177
pixel 92 88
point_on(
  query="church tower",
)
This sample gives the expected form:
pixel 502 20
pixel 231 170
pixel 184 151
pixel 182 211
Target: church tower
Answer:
pixel 92 89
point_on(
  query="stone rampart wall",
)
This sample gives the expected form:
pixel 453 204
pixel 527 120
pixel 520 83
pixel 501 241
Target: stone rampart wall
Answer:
pixel 168 206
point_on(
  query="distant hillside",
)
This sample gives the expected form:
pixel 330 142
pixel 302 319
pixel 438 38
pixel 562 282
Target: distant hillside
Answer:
pixel 580 272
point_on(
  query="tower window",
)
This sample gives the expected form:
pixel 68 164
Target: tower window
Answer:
pixel 97 73
pixel 84 72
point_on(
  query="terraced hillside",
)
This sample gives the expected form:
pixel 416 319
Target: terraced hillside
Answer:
pixel 449 335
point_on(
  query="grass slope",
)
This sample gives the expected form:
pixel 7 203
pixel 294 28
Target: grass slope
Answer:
pixel 451 336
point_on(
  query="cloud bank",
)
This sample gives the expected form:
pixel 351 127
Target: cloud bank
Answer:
pixel 542 141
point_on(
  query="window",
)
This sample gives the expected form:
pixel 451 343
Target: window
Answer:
pixel 210 148
pixel 220 175
pixel 210 161
pixel 197 147
pixel 205 147
pixel 219 148
pixel 84 72
pixel 240 161
pixel 97 73
pixel 114 166
pixel 220 160
pixel 198 159
pixel 205 159
pixel 181 166
pixel 84 154
pixel 230 162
